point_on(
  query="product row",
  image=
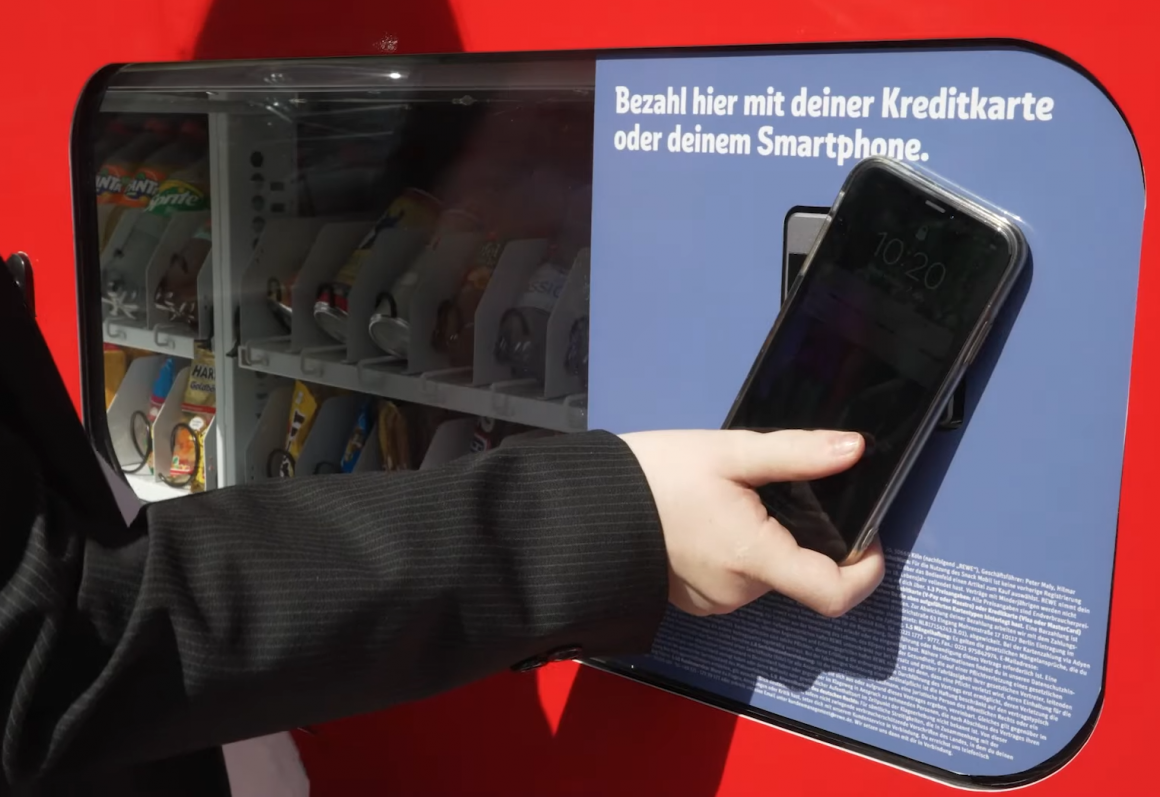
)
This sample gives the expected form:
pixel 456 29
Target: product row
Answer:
pixel 480 236
pixel 309 429
pixel 476 261
pixel 497 289
pixel 153 222
pixel 160 413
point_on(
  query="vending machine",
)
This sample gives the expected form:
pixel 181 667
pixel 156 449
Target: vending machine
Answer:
pixel 348 237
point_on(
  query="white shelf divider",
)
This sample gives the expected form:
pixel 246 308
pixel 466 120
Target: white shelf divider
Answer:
pixel 571 305
pixel 516 265
pixel 451 440
pixel 166 420
pixel 328 436
pixel 269 434
pixel 132 396
pixel 178 232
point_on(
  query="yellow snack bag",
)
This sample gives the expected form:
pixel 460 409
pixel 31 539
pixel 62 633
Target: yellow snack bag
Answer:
pixel 198 407
pixel 117 362
pixel 116 366
pixel 303 410
pixel 394 438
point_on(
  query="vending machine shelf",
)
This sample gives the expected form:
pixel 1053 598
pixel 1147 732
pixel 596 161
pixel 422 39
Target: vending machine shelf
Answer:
pixel 169 340
pixel 512 400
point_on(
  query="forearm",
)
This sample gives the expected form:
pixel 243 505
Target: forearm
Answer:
pixel 254 609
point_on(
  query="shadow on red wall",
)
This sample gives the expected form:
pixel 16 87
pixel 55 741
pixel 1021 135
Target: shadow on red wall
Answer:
pixel 615 739
pixel 301 28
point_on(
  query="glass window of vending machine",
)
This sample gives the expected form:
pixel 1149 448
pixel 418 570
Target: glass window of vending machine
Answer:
pixel 350 265
pixel 338 266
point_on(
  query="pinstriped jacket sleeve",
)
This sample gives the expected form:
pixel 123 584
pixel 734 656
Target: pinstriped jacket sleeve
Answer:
pixel 253 609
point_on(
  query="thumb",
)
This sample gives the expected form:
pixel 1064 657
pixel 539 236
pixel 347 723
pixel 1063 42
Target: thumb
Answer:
pixel 790 455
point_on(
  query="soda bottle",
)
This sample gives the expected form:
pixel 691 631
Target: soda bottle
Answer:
pixel 189 147
pixel 124 276
pixel 117 169
pixel 524 327
pixel 176 293
pixel 412 209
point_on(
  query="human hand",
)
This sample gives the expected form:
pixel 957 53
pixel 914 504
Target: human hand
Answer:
pixel 724 549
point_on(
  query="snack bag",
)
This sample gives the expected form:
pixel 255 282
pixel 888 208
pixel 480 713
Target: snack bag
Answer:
pixel 394 438
pixel 358 436
pixel 198 407
pixel 303 410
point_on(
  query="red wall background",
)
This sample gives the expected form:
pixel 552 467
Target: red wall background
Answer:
pixel 566 729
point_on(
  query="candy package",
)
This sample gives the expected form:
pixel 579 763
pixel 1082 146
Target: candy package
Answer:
pixel 303 410
pixel 198 407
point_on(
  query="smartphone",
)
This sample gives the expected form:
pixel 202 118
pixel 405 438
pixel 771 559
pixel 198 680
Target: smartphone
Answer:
pixel 892 302
pixel 802 227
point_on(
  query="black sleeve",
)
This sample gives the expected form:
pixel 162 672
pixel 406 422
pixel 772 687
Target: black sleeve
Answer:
pixel 254 609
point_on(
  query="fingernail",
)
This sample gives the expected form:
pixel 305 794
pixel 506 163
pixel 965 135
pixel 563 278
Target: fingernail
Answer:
pixel 846 443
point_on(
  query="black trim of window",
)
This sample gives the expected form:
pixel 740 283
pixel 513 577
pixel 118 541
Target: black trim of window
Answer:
pixel 88 262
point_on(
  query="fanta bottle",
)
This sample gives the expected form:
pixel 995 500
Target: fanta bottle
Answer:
pixel 124 274
pixel 118 168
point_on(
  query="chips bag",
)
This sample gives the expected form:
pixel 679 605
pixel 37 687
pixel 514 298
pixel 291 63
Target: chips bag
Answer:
pixel 198 407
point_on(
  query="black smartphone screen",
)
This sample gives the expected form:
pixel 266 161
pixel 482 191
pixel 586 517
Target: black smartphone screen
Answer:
pixel 952 417
pixel 867 342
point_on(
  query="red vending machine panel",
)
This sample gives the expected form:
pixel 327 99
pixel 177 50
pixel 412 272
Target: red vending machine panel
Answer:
pixel 300 245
